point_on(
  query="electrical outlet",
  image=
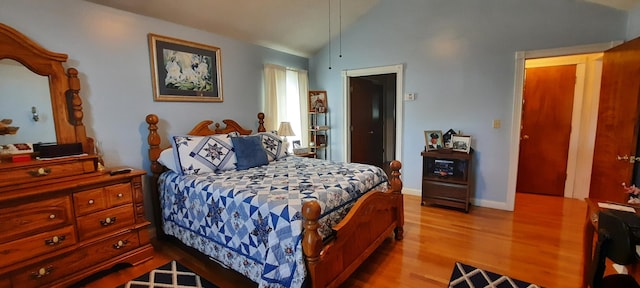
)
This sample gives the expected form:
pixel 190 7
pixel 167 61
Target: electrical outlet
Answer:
pixel 496 123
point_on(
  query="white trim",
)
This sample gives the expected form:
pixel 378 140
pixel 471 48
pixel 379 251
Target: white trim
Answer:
pixel 398 70
pixel 521 56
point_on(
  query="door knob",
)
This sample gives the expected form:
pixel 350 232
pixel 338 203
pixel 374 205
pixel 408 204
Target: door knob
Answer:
pixel 370 132
pixel 524 137
pixel 631 159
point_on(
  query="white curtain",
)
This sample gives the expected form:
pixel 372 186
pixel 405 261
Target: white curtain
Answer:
pixel 284 87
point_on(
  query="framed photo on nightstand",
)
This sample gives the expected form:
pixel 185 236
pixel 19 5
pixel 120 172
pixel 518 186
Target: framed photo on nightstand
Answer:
pixel 461 143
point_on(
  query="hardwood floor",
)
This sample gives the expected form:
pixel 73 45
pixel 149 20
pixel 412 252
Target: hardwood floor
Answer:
pixel 541 242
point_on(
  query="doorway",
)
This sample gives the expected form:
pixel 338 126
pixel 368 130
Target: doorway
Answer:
pixel 392 129
pixel 372 118
pixel 584 123
pixel 547 104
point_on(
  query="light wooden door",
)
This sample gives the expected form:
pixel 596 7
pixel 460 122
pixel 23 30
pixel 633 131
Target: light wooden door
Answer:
pixel 546 128
pixel 617 131
pixel 366 122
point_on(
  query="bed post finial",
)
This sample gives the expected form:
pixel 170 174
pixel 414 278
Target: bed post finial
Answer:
pixel 394 181
pixel 261 122
pixel 154 143
pixel 311 240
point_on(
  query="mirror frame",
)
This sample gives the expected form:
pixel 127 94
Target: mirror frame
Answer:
pixel 67 114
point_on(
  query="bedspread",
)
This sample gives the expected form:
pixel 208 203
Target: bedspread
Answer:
pixel 250 220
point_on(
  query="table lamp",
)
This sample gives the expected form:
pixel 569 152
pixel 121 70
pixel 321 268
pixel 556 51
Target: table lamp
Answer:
pixel 285 130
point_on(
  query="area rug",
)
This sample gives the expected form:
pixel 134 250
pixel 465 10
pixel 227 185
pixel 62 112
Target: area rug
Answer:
pixel 467 276
pixel 172 274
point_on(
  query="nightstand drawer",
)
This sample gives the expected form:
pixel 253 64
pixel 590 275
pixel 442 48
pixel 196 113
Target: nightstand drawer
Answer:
pixel 103 222
pixel 29 247
pixel 34 217
pixel 443 190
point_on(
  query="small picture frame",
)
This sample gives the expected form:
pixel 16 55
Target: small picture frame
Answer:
pixel 296 144
pixel 461 143
pixel 318 101
pixel 433 140
pixel 446 138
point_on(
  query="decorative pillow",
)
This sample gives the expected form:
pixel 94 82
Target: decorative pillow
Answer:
pixel 249 152
pixel 203 154
pixel 272 144
pixel 168 160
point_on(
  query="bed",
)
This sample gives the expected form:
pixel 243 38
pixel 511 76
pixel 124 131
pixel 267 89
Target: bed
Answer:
pixel 289 222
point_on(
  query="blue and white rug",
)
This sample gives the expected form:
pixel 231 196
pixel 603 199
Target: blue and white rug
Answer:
pixel 466 276
pixel 170 275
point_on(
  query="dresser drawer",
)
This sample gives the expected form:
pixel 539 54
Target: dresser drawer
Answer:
pixel 38 170
pixel 25 248
pixel 118 194
pixel 46 272
pixel 33 218
pixel 89 201
pixel 103 222
pixel 444 190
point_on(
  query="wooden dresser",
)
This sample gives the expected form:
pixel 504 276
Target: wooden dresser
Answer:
pixel 61 220
pixel 57 229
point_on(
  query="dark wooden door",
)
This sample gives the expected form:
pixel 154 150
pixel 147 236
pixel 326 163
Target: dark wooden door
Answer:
pixel 617 131
pixel 546 127
pixel 366 122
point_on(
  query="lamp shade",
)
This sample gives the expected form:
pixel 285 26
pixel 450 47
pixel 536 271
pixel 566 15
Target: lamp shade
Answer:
pixel 285 129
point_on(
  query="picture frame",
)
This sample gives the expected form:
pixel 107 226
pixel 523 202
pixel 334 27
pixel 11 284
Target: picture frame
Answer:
pixel 461 143
pixel 296 144
pixel 318 101
pixel 446 138
pixel 184 71
pixel 433 140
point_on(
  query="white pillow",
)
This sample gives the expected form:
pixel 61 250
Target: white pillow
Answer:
pixel 203 154
pixel 168 160
pixel 272 144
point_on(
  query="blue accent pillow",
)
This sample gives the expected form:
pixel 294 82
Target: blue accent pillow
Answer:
pixel 249 152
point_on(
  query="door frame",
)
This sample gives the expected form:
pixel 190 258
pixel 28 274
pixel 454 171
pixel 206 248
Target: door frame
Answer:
pixel 346 74
pixel 516 117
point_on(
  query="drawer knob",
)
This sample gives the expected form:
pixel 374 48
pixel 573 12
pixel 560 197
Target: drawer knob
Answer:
pixel 120 195
pixel 55 240
pixel 120 244
pixel 42 272
pixel 52 216
pixel 108 221
pixel 40 172
pixel 91 202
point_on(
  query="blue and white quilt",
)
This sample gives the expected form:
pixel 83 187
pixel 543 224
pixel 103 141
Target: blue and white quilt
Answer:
pixel 250 220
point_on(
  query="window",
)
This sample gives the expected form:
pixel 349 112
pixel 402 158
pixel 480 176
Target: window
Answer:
pixel 286 92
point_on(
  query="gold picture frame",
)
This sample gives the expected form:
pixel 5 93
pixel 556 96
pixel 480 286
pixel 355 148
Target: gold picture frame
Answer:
pixel 184 70
pixel 318 101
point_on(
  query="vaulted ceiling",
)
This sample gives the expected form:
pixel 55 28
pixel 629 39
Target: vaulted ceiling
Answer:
pixel 272 23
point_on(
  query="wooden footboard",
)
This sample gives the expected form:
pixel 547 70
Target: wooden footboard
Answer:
pixel 373 218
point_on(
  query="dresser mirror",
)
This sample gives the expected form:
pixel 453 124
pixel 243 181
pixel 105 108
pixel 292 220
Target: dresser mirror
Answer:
pixel 26 101
pixel 47 110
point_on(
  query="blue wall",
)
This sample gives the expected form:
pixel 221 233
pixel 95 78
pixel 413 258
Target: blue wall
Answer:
pixel 459 58
pixel 109 47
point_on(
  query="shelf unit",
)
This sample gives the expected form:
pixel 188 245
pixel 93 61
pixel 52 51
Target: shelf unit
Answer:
pixel 318 134
pixel 447 179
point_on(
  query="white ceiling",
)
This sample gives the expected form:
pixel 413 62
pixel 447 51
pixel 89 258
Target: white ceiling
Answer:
pixel 272 23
